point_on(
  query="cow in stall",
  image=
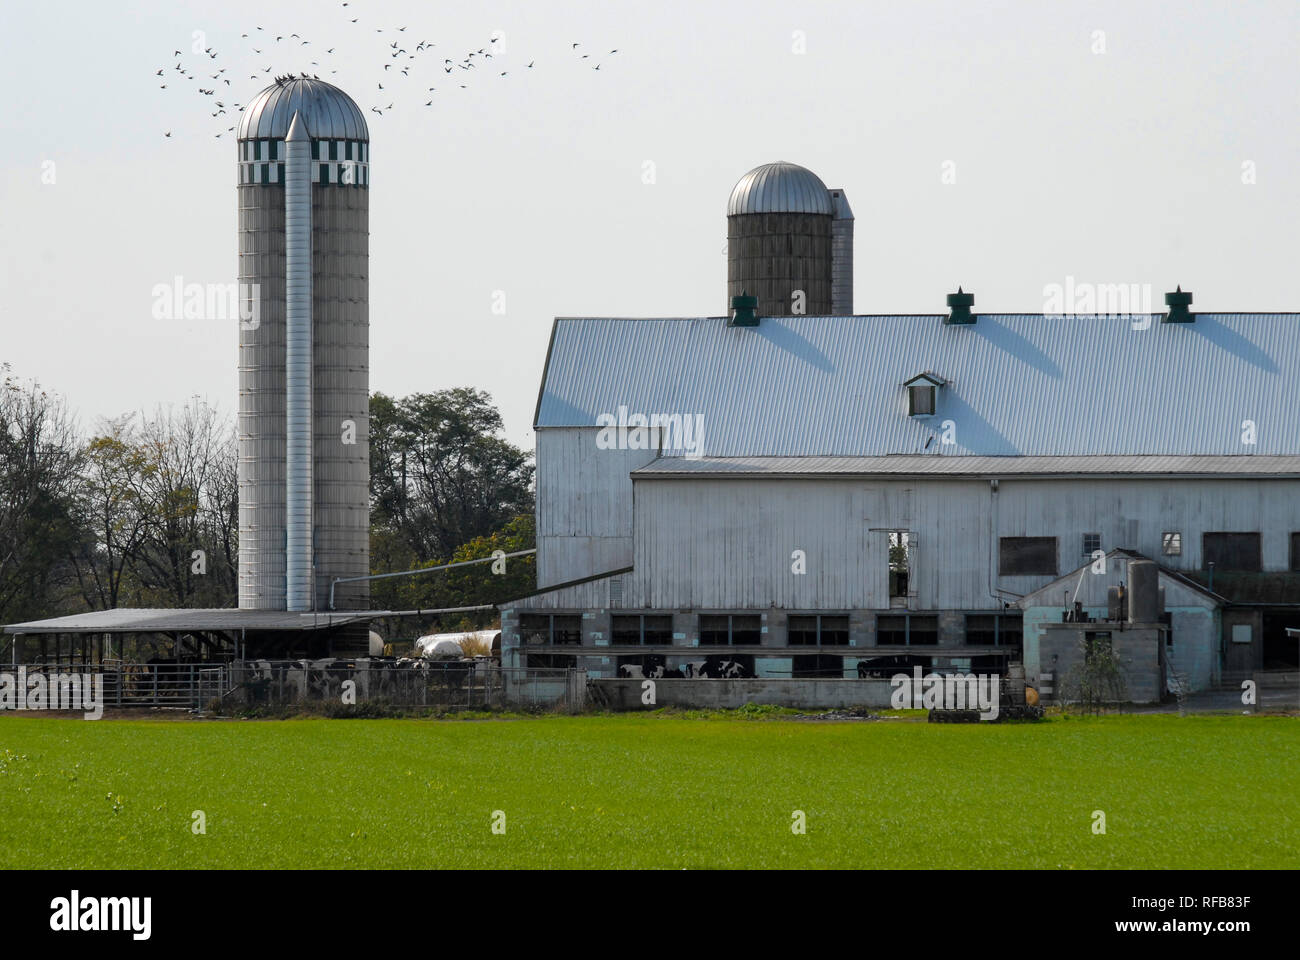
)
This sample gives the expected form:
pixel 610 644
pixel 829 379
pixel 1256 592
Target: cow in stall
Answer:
pixel 732 670
pixel 659 671
pixel 715 668
pixel 662 672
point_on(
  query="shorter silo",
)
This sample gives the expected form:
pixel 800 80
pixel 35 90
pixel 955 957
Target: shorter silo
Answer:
pixel 779 249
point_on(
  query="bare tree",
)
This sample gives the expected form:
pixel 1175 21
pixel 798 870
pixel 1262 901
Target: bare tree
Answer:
pixel 188 557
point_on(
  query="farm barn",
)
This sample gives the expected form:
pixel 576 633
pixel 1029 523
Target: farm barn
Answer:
pixel 799 501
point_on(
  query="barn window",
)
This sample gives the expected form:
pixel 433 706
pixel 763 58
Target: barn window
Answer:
pixel 981 629
pixel 1091 543
pixel 1171 544
pixel 550 629
pixel 1295 553
pixel 922 630
pixel 1027 556
pixel 1011 629
pixel 727 629
pixel 900 562
pixel 906 629
pixel 812 666
pixel 809 631
pixel 920 401
pixel 891 630
pixel 1231 551
pixel 1097 646
pixel 994 629
pixel 645 629
pixel 922 394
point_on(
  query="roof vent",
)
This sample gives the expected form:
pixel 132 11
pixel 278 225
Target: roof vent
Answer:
pixel 744 311
pixel 959 304
pixel 1178 302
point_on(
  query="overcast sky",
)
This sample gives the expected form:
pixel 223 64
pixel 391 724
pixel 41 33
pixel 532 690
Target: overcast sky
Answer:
pixel 1112 157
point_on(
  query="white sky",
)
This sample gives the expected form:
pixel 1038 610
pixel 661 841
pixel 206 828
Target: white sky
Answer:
pixel 1122 167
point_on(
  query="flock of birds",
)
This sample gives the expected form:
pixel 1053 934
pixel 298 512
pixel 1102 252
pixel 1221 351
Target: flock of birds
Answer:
pixel 401 64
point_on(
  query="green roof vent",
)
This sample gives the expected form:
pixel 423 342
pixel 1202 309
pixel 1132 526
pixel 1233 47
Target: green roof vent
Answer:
pixel 959 304
pixel 1178 302
pixel 744 311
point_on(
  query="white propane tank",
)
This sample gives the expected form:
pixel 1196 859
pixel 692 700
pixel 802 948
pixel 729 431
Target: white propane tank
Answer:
pixel 434 647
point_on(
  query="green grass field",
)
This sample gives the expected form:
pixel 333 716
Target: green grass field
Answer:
pixel 650 791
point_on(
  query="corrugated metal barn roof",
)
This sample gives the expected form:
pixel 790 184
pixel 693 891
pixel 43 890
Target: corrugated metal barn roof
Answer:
pixel 168 621
pixel 1017 384
pixel 925 465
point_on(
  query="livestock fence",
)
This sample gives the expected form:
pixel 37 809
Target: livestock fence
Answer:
pixel 479 683
pixel 126 684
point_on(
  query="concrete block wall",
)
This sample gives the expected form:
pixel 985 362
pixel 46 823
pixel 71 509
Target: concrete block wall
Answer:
pixel 711 694
pixel 1137 649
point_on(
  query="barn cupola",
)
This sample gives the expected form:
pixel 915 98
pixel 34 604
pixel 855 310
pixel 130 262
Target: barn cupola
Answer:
pixel 1178 303
pixel 959 305
pixel 744 311
pixel 923 394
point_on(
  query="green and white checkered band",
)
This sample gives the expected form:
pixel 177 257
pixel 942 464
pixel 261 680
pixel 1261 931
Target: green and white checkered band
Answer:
pixel 342 162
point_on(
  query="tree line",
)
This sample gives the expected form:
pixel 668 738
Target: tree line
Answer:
pixel 143 510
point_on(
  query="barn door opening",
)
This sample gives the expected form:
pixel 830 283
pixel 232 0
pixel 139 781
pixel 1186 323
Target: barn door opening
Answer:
pixel 901 561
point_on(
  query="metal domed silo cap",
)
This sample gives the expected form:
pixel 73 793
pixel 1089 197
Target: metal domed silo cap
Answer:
pixel 780 187
pixel 330 114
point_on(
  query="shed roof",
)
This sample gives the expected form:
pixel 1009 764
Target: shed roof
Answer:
pixel 173 620
pixel 1019 384
pixel 1050 593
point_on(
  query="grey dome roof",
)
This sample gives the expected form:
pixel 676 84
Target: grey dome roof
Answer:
pixel 779 188
pixel 330 114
